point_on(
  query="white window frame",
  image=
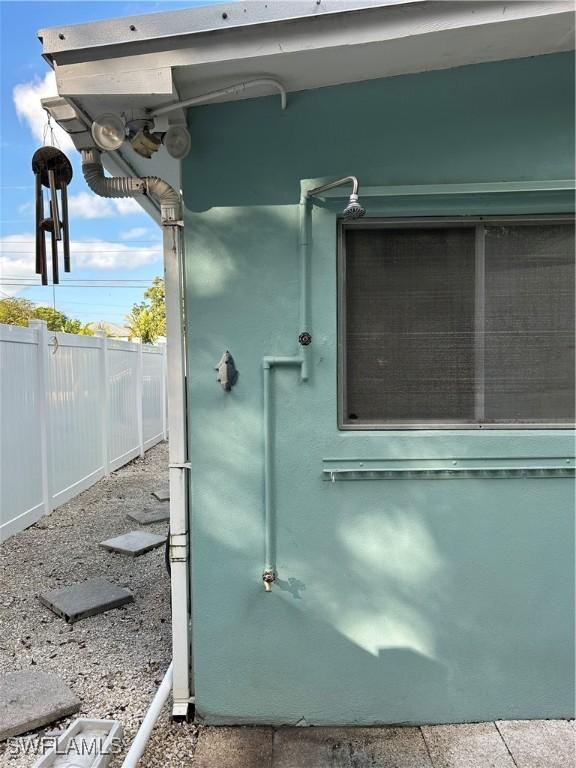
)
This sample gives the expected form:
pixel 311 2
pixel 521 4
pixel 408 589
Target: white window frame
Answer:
pixel 443 222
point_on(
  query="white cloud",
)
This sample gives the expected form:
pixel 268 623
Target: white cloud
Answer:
pixel 26 208
pixel 17 258
pixel 127 206
pixel 135 233
pixel 86 205
pixel 27 97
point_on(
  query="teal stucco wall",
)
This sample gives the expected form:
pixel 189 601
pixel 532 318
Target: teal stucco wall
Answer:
pixel 397 601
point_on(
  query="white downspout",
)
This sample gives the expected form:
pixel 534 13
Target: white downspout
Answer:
pixel 141 739
pixel 171 220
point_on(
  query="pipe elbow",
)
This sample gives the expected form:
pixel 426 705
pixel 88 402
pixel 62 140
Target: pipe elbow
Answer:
pixel 130 186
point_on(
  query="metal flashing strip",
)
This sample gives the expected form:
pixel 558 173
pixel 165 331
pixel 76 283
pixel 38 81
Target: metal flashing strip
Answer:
pixel 435 469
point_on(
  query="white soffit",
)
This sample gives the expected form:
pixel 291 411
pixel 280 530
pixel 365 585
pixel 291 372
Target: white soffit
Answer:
pixel 310 53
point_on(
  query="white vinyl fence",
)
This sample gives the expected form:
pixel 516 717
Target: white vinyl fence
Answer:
pixel 72 409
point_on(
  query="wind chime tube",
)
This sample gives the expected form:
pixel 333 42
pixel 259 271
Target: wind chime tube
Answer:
pixel 43 257
pixel 54 205
pixel 64 194
pixel 55 277
pixel 39 217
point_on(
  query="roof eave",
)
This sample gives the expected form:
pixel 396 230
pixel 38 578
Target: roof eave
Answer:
pixel 137 31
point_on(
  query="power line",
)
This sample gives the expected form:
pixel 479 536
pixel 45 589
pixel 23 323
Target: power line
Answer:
pixel 95 283
pixel 84 253
pixel 128 243
pixel 92 287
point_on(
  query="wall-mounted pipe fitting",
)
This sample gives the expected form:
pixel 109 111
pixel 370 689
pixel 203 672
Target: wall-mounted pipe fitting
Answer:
pixel 268 577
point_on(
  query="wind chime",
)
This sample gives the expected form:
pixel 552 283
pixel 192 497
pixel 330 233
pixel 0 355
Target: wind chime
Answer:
pixel 53 170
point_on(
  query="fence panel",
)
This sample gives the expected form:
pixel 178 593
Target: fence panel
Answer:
pixel 21 496
pixel 72 409
pixel 152 395
pixel 123 444
pixel 74 415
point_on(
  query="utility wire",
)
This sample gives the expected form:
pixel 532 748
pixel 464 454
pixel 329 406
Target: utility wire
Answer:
pixel 92 287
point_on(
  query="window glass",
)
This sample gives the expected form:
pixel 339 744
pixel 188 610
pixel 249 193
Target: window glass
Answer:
pixel 529 325
pixel 470 323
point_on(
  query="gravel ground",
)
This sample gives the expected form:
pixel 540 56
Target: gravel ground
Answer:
pixel 114 662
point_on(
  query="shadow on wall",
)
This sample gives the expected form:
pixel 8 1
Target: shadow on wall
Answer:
pixel 445 126
pixel 397 601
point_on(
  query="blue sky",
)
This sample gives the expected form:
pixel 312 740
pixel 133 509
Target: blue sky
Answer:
pixel 113 242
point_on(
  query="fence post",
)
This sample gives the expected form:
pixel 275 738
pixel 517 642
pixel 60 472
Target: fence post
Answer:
pixel 140 397
pixel 104 399
pixel 163 374
pixel 43 383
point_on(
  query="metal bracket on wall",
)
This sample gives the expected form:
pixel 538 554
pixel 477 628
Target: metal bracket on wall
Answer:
pixel 178 548
pixel 447 469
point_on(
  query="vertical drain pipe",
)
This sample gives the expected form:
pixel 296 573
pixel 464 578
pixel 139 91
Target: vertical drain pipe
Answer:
pixel 182 671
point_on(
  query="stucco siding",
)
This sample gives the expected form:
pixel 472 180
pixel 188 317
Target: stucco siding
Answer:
pixel 416 600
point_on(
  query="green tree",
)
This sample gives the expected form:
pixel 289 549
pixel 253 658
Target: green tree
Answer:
pixel 147 320
pixel 21 311
pixel 16 311
pixel 58 321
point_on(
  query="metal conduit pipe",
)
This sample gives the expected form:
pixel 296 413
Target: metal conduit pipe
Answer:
pixel 304 280
pixel 181 670
pixel 229 90
pixel 268 363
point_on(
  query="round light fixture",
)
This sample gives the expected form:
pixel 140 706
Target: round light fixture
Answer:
pixel 109 131
pixel 177 141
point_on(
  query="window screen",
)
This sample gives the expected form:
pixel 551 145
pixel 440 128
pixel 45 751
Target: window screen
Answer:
pixel 457 324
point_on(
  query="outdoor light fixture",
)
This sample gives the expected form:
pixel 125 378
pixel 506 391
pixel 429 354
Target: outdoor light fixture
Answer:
pixel 177 141
pixel 110 131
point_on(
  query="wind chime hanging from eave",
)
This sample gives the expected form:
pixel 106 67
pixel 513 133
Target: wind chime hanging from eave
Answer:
pixel 53 171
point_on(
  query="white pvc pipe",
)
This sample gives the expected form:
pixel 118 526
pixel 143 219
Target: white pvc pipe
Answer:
pixel 227 91
pixel 141 739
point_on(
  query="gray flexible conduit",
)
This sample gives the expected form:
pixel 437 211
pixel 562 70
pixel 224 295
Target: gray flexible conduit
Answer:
pixel 129 186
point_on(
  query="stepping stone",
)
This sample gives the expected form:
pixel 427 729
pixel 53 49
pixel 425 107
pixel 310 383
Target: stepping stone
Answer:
pixel 469 745
pixel 29 700
pixel 86 599
pixel 539 743
pixel 238 747
pixel 348 747
pixel 159 514
pixel 162 494
pixel 134 543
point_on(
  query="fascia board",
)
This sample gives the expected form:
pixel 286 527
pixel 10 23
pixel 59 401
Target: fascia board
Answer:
pixel 193 21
